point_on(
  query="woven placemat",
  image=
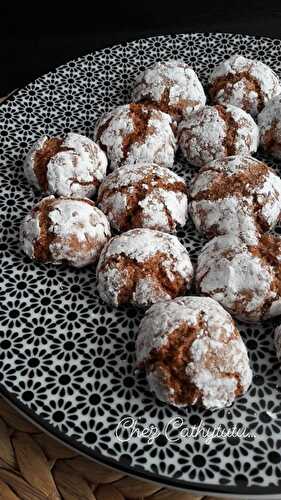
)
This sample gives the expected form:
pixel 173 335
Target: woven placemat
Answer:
pixel 34 466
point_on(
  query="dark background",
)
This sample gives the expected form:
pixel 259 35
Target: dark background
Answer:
pixel 38 37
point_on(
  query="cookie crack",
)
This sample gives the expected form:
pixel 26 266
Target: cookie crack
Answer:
pixel 231 127
pixel 141 128
pixel 239 184
pixel 253 85
pixel 42 157
pixel 42 251
pixel 140 193
pixel 268 250
pixel 153 267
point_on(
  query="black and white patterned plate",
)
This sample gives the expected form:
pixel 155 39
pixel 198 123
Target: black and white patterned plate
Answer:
pixel 66 359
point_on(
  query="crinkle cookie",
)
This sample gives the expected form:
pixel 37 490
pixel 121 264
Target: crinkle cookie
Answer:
pixel 135 133
pixel 236 194
pixel 144 195
pixel 64 231
pixel 269 121
pixel 171 86
pixel 244 276
pixel 213 132
pixel 73 165
pixel 243 82
pixel 143 266
pixel 193 353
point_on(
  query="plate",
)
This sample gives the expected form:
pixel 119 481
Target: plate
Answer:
pixel 66 359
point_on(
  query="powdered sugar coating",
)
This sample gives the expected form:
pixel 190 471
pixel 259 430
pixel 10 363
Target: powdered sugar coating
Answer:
pixel 269 121
pixel 67 229
pixel 29 163
pixel 124 266
pixel 236 194
pixel 144 195
pixel 218 358
pixel 134 133
pixel 213 132
pixel 30 233
pixel 171 86
pixel 76 169
pixel 242 273
pixel 243 82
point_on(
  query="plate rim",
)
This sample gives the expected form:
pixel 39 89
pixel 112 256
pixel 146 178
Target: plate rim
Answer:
pixel 14 92
pixel 235 491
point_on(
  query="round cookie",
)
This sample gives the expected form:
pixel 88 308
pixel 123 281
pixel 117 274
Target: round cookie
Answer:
pixel 243 274
pixel 243 82
pixel 213 132
pixel 192 352
pixel 235 194
pixel 70 166
pixel 64 231
pixel 144 195
pixel 141 267
pixel 269 121
pixel 171 86
pixel 135 133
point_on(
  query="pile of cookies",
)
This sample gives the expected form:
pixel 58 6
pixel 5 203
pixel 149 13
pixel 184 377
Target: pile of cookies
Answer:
pixel 189 346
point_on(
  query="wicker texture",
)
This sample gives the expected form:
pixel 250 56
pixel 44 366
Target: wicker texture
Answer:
pixel 33 466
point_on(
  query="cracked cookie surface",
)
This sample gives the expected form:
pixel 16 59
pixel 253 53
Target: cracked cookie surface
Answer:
pixel 144 195
pixel 236 194
pixel 135 133
pixel 243 274
pixel 64 231
pixel 69 166
pixel 269 121
pixel 143 266
pixel 192 353
pixel 170 86
pixel 243 82
pixel 213 132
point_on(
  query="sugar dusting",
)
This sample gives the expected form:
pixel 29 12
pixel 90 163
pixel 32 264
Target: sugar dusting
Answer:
pixel 29 162
pixel 218 353
pixel 174 77
pixel 29 233
pixel 75 170
pixel 229 272
pixel 234 212
pixel 237 93
pixel 71 221
pixel 202 134
pixel 152 202
pixel 139 245
pixel 269 121
pixel 158 145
